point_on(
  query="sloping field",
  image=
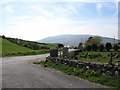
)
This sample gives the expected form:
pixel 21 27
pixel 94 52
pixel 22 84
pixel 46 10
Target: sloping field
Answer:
pixel 9 47
pixel 32 44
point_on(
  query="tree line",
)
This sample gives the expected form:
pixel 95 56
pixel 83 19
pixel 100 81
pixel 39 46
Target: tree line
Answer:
pixel 95 44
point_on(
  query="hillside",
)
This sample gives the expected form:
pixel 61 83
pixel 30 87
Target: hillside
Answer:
pixel 73 39
pixel 9 47
pixel 32 44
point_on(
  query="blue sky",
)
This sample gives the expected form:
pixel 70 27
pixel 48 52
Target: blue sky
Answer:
pixel 37 19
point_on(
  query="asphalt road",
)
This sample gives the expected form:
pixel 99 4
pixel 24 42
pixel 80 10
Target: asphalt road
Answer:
pixel 19 72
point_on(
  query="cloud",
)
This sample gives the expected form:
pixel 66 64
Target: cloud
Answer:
pixel 99 6
pixel 63 11
pixel 9 9
pixel 52 19
pixel 40 27
pixel 43 11
pixel 73 9
pixel 57 11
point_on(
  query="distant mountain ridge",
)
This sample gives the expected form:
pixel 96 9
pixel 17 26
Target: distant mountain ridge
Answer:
pixel 73 39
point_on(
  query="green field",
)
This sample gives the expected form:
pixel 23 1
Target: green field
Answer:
pixel 97 56
pixel 11 49
pixel 32 44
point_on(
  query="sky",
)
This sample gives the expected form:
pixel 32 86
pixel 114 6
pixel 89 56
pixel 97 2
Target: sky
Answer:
pixel 38 19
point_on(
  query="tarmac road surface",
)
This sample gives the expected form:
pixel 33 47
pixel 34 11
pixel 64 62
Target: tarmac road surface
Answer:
pixel 19 72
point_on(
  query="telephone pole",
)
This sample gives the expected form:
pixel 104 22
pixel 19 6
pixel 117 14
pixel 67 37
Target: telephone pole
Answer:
pixel 81 40
pixel 114 39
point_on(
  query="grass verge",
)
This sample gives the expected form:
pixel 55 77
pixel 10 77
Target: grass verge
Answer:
pixel 90 75
pixel 25 53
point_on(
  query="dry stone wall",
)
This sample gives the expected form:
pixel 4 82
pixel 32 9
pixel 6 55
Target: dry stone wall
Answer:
pixel 113 70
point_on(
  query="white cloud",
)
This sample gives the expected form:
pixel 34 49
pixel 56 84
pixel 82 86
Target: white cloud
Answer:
pixel 9 9
pixel 35 28
pixel 73 10
pixel 40 27
pixel 62 11
pixel 99 6
pixel 44 12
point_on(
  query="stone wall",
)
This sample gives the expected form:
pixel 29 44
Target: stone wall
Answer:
pixel 65 52
pixel 54 52
pixel 113 70
pixel 72 53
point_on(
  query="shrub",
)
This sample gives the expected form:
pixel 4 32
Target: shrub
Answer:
pixel 94 47
pixel 116 47
pixel 88 47
pixel 101 47
pixel 108 46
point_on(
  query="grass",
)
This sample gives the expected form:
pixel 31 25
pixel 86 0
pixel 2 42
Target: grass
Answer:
pixel 32 44
pixel 90 75
pixel 11 49
pixel 96 57
pixel 49 45
pixel 25 53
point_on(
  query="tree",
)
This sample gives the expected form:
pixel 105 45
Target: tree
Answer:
pixel 34 46
pixel 94 47
pixel 80 46
pixel 75 48
pixel 94 40
pixel 60 45
pixel 93 43
pixel 108 46
pixel 25 45
pixel 88 47
pixel 101 47
pixel 115 47
pixel 3 37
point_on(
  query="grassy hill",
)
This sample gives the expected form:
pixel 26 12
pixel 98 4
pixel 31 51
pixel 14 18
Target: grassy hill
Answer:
pixel 9 47
pixel 32 44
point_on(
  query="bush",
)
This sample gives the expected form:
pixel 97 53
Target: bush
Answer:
pixel 116 47
pixel 94 47
pixel 101 47
pixel 88 47
pixel 108 46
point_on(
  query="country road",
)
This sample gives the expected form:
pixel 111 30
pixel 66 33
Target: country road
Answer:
pixel 19 72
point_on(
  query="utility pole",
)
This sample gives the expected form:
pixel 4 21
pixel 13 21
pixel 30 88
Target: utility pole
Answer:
pixel 114 39
pixel 81 40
